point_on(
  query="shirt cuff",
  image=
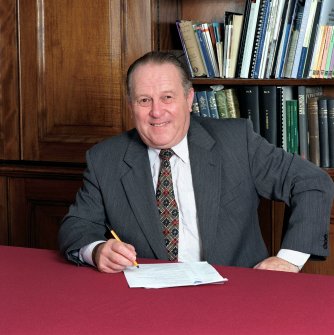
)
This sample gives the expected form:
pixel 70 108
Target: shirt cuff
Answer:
pixel 85 253
pixel 294 257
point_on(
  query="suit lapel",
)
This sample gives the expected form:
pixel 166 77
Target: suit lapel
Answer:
pixel 206 174
pixel 137 182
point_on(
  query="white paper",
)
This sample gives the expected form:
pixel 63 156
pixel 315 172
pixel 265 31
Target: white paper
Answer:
pixel 160 275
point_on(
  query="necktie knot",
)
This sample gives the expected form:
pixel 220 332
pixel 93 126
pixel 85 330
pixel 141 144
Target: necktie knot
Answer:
pixel 166 154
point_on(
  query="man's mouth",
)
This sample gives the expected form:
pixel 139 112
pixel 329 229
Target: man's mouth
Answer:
pixel 159 124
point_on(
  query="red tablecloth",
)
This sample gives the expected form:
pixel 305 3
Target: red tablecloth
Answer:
pixel 40 293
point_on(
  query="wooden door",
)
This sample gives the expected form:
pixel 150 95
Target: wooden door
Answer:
pixel 73 59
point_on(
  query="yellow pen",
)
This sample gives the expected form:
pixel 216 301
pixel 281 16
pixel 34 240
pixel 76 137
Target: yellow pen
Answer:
pixel 118 239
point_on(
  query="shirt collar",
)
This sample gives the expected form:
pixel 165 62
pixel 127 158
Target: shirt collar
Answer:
pixel 181 150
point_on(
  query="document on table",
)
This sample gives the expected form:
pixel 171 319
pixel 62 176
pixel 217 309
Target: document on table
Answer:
pixel 162 275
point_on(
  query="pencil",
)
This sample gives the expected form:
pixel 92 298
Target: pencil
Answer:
pixel 118 239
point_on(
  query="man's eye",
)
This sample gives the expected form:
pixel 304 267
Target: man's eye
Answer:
pixel 167 99
pixel 144 102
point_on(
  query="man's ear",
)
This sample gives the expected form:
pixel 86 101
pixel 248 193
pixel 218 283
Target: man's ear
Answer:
pixel 190 98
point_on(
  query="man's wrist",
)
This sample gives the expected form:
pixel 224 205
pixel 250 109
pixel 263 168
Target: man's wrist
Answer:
pixel 94 252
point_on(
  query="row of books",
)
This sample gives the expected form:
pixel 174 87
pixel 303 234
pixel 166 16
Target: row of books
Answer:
pixel 271 39
pixel 300 119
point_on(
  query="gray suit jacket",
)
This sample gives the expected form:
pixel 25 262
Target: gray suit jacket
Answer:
pixel 231 167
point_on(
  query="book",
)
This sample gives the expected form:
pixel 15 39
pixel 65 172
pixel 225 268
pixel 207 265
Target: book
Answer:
pixel 306 40
pixel 330 111
pixel 250 34
pixel 212 104
pixel 273 49
pixel 202 44
pixel 221 103
pixel 323 132
pixel 313 126
pixel 269 31
pixel 261 39
pixel 288 126
pixel 322 61
pixel 247 11
pixel 326 18
pixel 279 94
pixel 232 103
pixel 294 126
pixel 194 106
pixel 235 42
pixel 329 55
pixel 190 47
pixel 285 38
pixel 189 66
pixel 293 40
pixel 304 25
pixel 209 45
pixel 249 108
pixel 203 104
pixel 312 42
pixel 227 42
pixel 331 67
pixel 287 93
pixel 257 35
pixel 302 121
pixel 268 113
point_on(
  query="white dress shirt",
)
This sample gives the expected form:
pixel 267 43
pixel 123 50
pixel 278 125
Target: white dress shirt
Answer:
pixel 189 239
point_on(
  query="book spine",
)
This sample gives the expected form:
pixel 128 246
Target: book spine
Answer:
pixel 276 39
pixel 190 68
pixel 243 37
pixel 250 34
pixel 286 38
pixel 294 126
pixel 295 30
pixel 288 126
pixel 268 113
pixel 330 111
pixel 306 43
pixel 191 47
pixel 195 107
pixel 249 109
pixel 212 104
pixel 261 40
pixel 313 126
pixel 330 53
pixel 221 104
pixel 305 23
pixel 302 118
pixel 203 103
pixel 323 132
pixel 312 42
pixel 258 29
pixel 204 51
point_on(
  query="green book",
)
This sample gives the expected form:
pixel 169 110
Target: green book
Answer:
pixel 221 104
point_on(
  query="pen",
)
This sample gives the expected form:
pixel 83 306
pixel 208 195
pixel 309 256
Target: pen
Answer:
pixel 118 239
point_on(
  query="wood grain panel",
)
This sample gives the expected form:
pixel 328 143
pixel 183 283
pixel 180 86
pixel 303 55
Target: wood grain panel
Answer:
pixel 36 209
pixel 4 233
pixel 9 102
pixel 71 76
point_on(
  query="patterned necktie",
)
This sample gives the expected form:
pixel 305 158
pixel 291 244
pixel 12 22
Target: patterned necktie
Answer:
pixel 168 210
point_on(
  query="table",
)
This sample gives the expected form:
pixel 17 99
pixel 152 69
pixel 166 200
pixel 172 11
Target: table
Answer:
pixel 40 293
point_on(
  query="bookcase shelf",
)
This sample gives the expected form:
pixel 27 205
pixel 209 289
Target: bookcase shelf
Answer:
pixel 285 82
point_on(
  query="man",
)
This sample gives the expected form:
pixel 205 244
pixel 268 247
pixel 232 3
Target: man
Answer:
pixel 219 168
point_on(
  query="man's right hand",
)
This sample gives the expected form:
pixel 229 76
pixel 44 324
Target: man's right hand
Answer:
pixel 113 256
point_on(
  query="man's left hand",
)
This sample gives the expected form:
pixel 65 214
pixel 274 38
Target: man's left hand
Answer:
pixel 276 264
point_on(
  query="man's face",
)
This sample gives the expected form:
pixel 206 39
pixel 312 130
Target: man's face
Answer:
pixel 160 109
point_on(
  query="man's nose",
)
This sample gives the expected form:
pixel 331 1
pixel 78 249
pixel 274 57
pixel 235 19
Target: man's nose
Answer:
pixel 156 108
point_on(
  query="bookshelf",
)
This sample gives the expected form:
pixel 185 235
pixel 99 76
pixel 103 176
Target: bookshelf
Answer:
pixel 209 11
